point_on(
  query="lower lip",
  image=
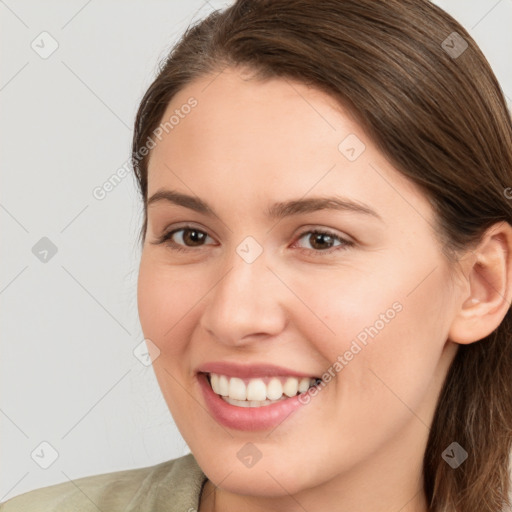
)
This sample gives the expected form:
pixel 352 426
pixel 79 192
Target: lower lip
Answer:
pixel 247 418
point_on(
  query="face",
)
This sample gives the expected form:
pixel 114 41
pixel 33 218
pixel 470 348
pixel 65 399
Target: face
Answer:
pixel 355 295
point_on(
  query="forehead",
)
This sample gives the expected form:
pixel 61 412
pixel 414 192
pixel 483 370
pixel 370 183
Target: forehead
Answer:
pixel 252 141
pixel 234 113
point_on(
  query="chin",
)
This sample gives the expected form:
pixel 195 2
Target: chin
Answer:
pixel 271 478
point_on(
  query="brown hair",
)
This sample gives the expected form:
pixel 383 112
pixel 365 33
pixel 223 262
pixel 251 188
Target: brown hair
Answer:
pixel 434 107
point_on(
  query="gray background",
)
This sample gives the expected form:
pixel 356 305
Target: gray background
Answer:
pixel 68 373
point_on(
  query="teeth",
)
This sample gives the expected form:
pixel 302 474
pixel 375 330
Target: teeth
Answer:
pixel 237 389
pixel 291 386
pixel 223 386
pixel 214 382
pixel 305 384
pixel 250 403
pixel 274 390
pixel 255 392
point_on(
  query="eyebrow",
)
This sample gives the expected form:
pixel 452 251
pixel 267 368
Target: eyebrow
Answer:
pixel 276 211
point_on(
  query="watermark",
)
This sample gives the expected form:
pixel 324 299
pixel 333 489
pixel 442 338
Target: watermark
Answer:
pixel 44 250
pixel 355 348
pixel 351 147
pixel 454 45
pixel 146 352
pixel 44 45
pixel 454 455
pixel 44 455
pixel 172 122
pixel 100 192
pixel 508 192
pixel 249 249
pixel 249 455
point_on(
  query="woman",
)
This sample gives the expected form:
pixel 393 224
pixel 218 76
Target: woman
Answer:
pixel 326 269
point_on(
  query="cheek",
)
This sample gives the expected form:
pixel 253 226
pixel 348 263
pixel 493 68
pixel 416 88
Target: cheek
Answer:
pixel 165 300
pixel 165 296
pixel 344 305
pixel 383 335
pixel 393 372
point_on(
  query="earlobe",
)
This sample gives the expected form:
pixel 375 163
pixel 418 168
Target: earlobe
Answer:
pixel 486 297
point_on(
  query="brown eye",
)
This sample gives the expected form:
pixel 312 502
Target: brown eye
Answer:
pixel 184 238
pixel 320 241
pixel 191 237
pixel 323 242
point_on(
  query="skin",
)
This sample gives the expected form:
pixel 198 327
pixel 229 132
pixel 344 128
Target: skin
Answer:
pixel 359 444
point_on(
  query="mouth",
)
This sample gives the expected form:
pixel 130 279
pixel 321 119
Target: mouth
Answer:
pixel 260 391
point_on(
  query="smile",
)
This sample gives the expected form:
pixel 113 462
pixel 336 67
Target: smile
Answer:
pixel 258 392
pixel 246 414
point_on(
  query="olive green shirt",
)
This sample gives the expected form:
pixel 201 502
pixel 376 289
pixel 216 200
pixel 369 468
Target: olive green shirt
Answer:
pixel 171 486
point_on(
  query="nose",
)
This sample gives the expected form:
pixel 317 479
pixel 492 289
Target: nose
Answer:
pixel 246 304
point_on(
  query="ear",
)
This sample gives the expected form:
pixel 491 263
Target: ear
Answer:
pixel 487 291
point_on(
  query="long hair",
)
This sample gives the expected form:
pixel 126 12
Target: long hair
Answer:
pixel 418 83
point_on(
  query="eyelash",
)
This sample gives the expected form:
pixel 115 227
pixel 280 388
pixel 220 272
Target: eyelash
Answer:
pixel 345 244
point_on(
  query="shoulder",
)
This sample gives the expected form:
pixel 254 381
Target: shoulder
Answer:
pixel 172 485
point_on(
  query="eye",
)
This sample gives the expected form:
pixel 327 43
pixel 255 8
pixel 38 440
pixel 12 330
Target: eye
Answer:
pixel 322 242
pixel 189 235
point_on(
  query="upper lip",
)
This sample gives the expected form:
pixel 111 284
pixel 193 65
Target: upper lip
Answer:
pixel 249 370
